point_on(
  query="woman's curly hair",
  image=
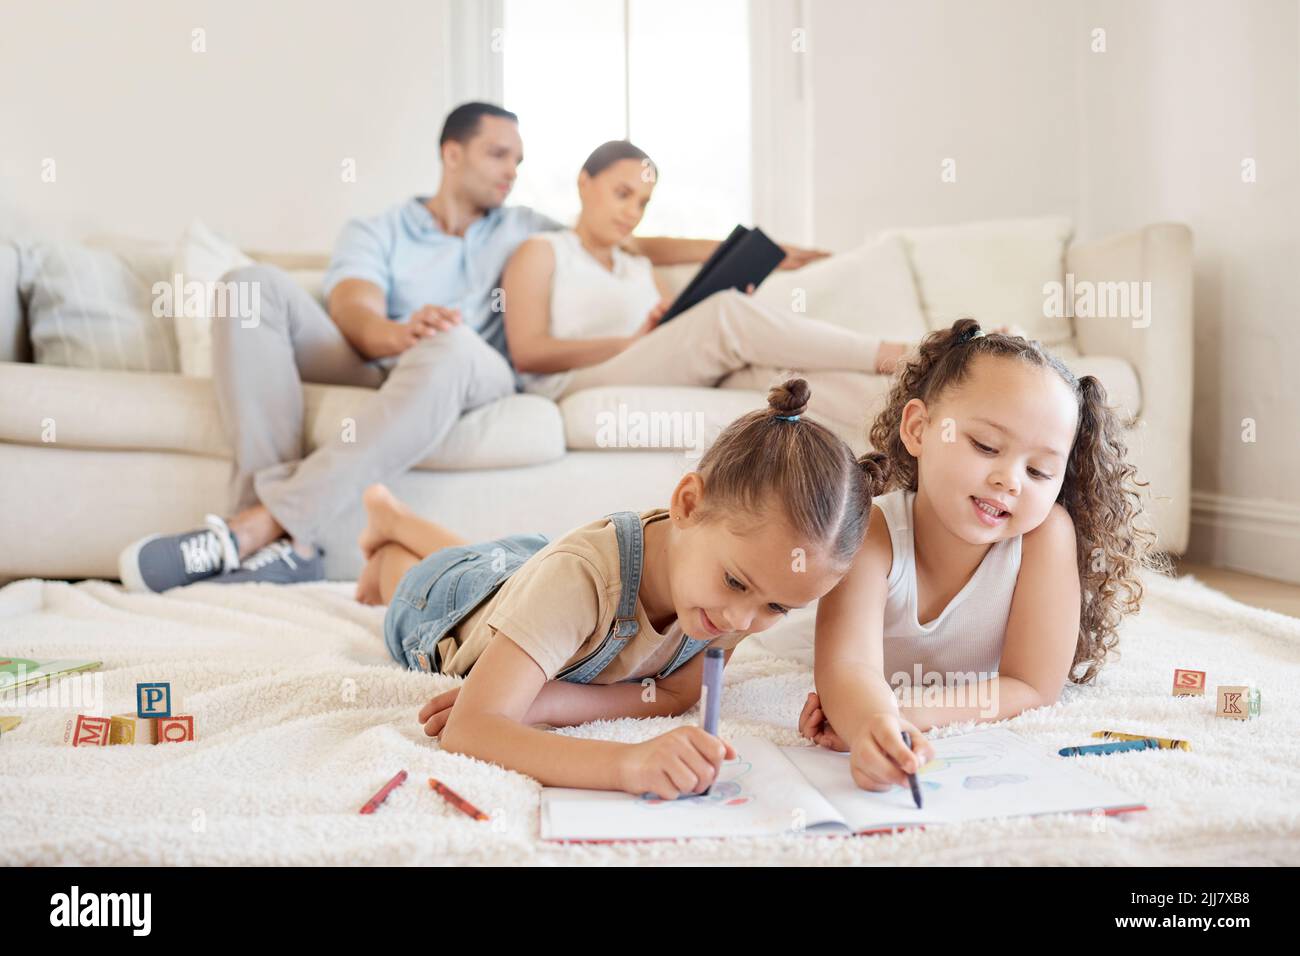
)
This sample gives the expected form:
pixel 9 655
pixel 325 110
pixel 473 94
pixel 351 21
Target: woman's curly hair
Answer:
pixel 1100 490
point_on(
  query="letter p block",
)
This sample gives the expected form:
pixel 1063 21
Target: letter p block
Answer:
pixel 154 700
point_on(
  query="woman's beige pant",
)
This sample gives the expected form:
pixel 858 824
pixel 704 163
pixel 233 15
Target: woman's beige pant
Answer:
pixel 731 341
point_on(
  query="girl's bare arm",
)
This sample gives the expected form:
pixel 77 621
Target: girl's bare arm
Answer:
pixel 487 723
pixel 562 704
pixel 849 662
pixel 1042 631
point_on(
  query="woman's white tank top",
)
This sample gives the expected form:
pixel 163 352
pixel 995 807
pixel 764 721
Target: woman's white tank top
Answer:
pixel 968 634
pixel 589 301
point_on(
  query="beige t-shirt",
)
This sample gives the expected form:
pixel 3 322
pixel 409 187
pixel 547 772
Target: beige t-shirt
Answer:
pixel 559 606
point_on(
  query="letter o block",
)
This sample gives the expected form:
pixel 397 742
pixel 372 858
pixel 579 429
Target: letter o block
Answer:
pixel 174 730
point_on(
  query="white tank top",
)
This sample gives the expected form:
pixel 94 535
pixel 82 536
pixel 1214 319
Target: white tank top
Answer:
pixel 589 301
pixel 968 634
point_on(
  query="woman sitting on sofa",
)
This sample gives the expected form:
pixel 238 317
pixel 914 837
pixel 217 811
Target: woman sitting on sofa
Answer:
pixel 583 312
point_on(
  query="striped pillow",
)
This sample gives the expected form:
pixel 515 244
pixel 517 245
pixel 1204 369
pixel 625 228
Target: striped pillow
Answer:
pixel 89 308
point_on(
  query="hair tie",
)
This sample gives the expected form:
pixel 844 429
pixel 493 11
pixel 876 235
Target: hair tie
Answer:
pixel 787 418
pixel 969 334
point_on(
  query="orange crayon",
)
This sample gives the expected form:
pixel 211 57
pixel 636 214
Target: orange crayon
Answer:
pixel 456 800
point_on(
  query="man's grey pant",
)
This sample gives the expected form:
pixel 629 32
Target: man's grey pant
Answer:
pixel 258 374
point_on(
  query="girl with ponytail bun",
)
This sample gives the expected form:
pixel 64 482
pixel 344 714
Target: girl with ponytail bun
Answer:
pixel 1002 557
pixel 568 631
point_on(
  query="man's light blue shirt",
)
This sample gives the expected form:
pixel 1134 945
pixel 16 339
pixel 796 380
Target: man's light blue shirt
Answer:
pixel 405 252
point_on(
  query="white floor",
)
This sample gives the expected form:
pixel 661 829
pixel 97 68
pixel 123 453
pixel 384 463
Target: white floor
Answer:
pixel 301 716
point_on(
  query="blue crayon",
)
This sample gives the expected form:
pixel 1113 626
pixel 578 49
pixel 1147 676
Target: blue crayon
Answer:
pixel 1146 743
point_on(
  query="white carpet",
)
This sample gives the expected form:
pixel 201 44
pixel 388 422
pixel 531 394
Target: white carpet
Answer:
pixel 301 717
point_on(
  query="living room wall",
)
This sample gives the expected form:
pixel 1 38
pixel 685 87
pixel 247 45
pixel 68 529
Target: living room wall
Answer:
pixel 1190 102
pixel 1154 127
pixel 898 89
pixel 278 96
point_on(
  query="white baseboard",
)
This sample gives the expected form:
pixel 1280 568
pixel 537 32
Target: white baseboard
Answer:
pixel 1246 534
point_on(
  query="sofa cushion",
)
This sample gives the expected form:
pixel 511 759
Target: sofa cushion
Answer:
pixel 994 272
pixel 869 289
pixel 630 417
pixel 80 408
pixel 690 418
pixel 89 308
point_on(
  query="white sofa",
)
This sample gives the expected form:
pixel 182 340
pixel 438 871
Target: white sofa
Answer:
pixel 143 452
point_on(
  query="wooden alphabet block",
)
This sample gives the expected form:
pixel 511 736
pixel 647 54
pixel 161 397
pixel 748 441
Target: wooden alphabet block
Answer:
pixel 86 731
pixel 132 729
pixel 1189 683
pixel 154 699
pixel 1239 702
pixel 175 729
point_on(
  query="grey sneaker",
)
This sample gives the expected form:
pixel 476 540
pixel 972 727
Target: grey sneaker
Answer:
pixel 277 563
pixel 163 561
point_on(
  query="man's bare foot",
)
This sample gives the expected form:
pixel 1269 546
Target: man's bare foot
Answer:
pixel 887 357
pixel 368 584
pixel 381 510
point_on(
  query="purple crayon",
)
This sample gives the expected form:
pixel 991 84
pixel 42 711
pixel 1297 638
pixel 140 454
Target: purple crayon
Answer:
pixel 711 693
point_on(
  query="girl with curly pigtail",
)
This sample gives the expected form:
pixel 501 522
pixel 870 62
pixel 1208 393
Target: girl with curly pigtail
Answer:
pixel 997 566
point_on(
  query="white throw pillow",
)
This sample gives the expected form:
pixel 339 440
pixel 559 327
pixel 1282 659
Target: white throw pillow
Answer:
pixel 204 257
pixel 993 272
pixel 868 289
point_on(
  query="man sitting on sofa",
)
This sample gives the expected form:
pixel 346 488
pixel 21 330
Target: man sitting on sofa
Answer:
pixel 413 314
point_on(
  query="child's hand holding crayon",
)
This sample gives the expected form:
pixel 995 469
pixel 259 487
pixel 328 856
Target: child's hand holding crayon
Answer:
pixel 684 760
pixel 879 759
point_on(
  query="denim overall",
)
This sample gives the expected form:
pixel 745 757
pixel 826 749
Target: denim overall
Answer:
pixel 445 588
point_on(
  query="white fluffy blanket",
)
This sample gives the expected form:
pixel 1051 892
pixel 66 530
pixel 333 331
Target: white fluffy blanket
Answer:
pixel 301 716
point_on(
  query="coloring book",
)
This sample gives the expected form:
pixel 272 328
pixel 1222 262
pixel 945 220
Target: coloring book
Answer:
pixel 770 791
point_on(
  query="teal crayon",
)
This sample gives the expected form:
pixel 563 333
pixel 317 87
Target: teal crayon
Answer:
pixel 1119 746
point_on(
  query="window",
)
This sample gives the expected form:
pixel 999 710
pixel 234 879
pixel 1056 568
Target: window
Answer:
pixel 672 76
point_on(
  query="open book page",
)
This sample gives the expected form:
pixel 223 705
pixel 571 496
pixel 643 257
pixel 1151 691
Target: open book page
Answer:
pixel 757 794
pixel 983 774
pixel 18 672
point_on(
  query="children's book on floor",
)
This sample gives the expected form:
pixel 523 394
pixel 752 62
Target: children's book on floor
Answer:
pixel 770 791
pixel 19 672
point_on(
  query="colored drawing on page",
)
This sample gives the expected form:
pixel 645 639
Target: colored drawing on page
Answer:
pixel 727 792
pixel 939 764
pixel 989 781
